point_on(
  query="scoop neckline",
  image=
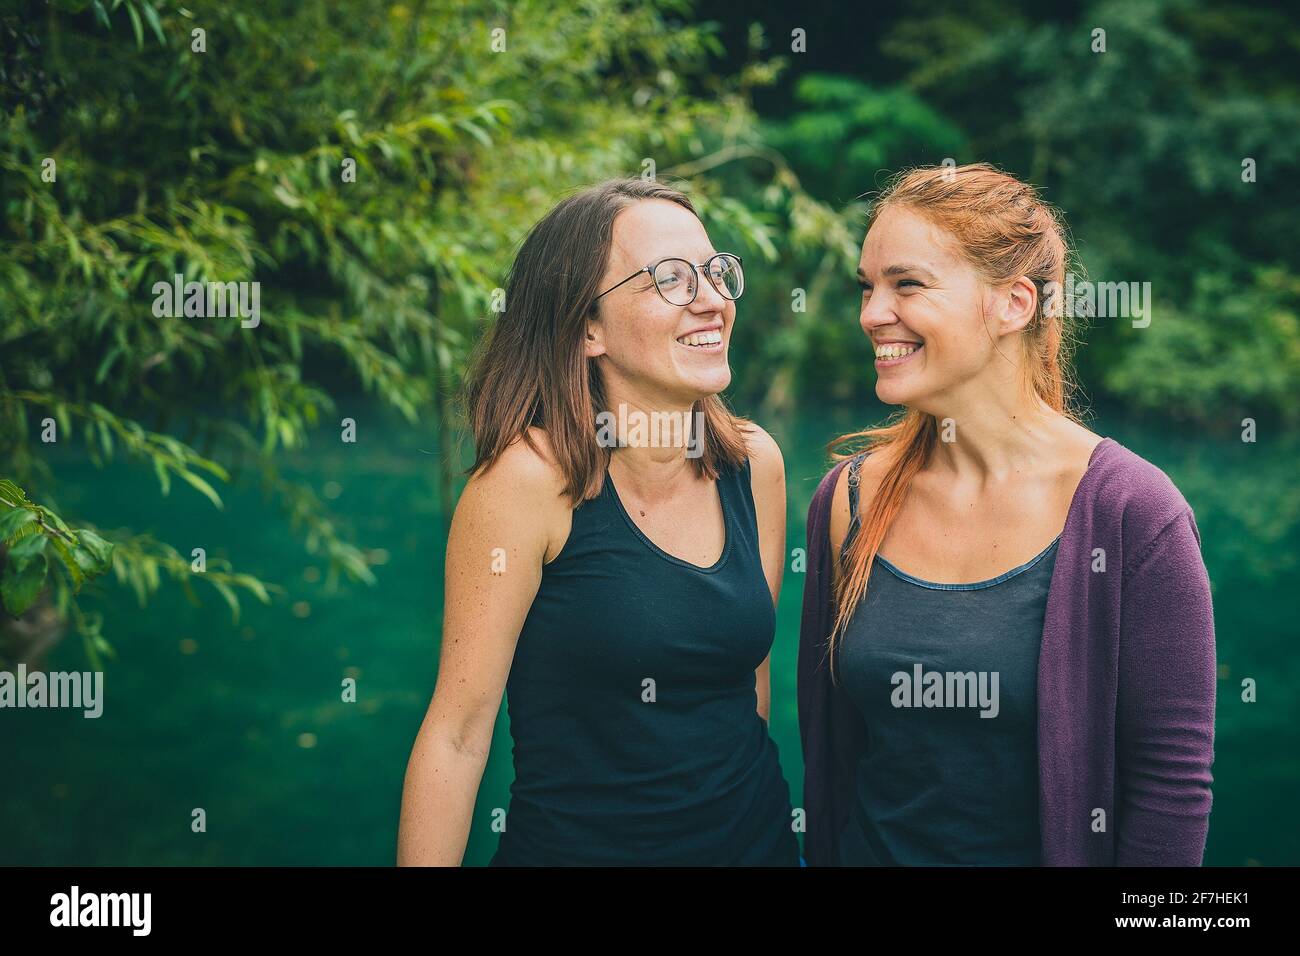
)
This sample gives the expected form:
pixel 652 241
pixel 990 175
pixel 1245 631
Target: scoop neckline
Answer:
pixel 977 585
pixel 612 490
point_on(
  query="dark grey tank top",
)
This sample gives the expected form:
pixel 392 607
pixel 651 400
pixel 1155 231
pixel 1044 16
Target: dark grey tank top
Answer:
pixel 945 677
pixel 637 738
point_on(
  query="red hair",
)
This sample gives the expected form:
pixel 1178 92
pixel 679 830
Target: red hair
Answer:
pixel 1004 230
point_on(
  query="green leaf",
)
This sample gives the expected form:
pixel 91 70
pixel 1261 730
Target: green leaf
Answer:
pixel 202 486
pixel 136 25
pixel 28 549
pixel 70 563
pixel 54 520
pixel 286 197
pixel 155 24
pixel 230 597
pixel 102 645
pixel 94 554
pixel 107 363
pixel 254 585
pixel 11 492
pixel 12 521
pixel 21 584
pixel 474 130
pixel 164 479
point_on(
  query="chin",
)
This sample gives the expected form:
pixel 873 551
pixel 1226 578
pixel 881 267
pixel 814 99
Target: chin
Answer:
pixel 711 384
pixel 892 393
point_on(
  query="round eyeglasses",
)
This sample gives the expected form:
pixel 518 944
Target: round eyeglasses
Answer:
pixel 677 281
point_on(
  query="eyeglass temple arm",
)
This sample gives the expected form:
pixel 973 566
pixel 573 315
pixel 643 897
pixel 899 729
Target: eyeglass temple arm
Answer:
pixel 625 281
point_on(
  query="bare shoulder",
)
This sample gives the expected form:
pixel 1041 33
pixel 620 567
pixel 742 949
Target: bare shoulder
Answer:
pixel 766 461
pixel 1080 439
pixel 519 496
pixel 1077 445
pixel 527 466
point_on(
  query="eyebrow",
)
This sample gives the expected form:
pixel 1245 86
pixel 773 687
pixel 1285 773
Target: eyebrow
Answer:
pixel 902 268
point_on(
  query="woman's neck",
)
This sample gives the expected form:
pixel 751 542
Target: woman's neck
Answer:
pixel 649 443
pixel 995 438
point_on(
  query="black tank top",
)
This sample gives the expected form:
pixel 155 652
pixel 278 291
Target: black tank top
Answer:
pixel 631 701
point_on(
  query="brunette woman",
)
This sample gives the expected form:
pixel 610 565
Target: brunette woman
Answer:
pixel 612 564
pixel 1007 652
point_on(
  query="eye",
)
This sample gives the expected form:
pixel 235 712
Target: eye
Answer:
pixel 866 286
pixel 671 273
pixel 903 282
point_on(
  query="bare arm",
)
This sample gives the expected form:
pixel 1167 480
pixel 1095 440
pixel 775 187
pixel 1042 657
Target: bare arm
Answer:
pixel 767 480
pixel 507 522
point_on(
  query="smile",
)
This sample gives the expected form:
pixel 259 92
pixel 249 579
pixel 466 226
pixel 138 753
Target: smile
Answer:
pixel 889 354
pixel 705 341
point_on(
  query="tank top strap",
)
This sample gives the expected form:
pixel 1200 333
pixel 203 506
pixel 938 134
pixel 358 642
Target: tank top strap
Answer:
pixel 855 519
pixel 738 494
pixel 741 473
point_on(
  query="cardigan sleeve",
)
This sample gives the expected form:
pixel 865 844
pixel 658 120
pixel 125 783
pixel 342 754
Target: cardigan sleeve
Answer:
pixel 1165 708
pixel 828 729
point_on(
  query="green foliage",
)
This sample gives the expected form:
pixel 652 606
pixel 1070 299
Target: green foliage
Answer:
pixel 1247 358
pixel 235 165
pixel 29 536
pixel 845 132
pixel 844 135
pixel 1142 146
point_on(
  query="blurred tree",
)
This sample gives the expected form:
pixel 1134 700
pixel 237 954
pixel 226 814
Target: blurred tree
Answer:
pixel 372 166
pixel 841 138
pixel 1143 146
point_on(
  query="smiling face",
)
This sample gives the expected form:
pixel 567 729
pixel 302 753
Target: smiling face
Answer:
pixel 937 328
pixel 641 343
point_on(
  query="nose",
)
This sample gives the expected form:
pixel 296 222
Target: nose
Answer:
pixel 877 311
pixel 707 296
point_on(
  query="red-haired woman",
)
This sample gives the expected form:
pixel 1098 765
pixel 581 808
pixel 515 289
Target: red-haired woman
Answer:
pixel 612 562
pixel 1007 651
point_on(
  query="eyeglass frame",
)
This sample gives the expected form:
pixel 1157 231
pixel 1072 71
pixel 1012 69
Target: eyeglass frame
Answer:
pixel 696 266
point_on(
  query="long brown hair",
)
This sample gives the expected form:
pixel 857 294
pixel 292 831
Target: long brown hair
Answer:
pixel 1005 230
pixel 531 368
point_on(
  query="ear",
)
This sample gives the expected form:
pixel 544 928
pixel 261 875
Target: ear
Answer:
pixel 594 338
pixel 1019 305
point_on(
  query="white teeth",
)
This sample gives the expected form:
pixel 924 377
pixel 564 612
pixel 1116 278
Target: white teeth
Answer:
pixel 893 351
pixel 701 338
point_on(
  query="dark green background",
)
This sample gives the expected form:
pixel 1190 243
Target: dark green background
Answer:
pixel 219 728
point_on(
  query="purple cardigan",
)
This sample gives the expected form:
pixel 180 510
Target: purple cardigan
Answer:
pixel 1126 679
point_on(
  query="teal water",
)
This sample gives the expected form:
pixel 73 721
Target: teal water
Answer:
pixel 247 722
